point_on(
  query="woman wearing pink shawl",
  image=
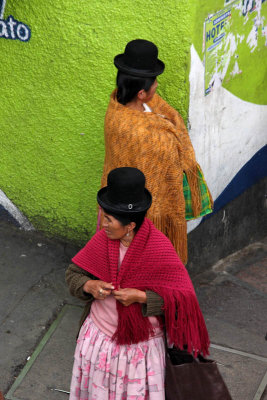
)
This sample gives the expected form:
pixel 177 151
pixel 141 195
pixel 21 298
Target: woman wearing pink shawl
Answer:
pixel 130 277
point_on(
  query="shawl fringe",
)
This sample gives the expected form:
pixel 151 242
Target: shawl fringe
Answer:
pixel 133 327
pixel 174 229
pixel 184 322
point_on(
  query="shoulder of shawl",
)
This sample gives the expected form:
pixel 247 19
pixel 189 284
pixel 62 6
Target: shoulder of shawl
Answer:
pixel 113 101
pixel 146 129
pixel 159 105
pixel 157 100
pixel 119 112
pixel 99 240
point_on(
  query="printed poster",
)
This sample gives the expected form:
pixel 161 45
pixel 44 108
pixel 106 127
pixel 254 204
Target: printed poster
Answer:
pixel 232 38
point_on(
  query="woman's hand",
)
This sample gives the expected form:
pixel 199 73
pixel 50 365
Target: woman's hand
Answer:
pixel 128 296
pixel 98 289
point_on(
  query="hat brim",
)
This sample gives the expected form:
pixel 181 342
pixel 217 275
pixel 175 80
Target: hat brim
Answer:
pixel 120 64
pixel 122 208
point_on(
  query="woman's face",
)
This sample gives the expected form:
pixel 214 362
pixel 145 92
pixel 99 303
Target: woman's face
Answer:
pixel 113 228
pixel 150 93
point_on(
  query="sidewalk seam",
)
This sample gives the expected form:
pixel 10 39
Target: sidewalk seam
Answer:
pixel 35 354
pixel 239 352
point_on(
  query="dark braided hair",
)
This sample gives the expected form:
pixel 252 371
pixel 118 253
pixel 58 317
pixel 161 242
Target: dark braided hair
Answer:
pixel 129 86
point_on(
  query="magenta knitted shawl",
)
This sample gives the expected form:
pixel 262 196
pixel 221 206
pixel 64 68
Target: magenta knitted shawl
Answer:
pixel 150 263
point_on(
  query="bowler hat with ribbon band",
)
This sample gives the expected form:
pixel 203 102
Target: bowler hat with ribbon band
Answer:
pixel 140 58
pixel 125 192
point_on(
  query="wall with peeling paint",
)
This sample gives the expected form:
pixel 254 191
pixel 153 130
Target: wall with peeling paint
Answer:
pixel 54 92
pixel 228 131
pixel 245 47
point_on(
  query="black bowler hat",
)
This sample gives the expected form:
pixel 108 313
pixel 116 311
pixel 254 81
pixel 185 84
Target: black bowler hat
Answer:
pixel 125 192
pixel 140 58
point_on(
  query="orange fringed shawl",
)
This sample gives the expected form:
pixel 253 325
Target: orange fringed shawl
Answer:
pixel 159 145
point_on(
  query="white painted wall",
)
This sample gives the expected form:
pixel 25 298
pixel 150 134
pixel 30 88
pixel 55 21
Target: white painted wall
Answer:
pixel 14 211
pixel 225 130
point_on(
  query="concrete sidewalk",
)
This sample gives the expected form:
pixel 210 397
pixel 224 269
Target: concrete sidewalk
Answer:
pixel 38 318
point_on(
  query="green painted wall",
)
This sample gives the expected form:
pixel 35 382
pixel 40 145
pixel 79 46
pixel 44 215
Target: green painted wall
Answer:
pixel 54 93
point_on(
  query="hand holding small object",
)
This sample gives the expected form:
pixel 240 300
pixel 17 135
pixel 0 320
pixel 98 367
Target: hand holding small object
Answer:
pixel 98 289
pixel 129 296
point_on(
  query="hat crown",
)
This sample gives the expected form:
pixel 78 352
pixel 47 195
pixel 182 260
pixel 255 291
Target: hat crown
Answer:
pixel 125 192
pixel 125 185
pixel 141 54
pixel 140 58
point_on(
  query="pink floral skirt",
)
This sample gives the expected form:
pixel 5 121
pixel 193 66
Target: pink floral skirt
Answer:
pixel 103 370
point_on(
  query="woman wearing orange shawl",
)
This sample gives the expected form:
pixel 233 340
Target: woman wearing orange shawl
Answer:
pixel 145 132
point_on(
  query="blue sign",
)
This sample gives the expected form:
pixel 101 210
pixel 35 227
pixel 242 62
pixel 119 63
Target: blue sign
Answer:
pixel 11 28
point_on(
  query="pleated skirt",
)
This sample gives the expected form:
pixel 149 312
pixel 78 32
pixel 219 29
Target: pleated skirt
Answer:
pixel 104 370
